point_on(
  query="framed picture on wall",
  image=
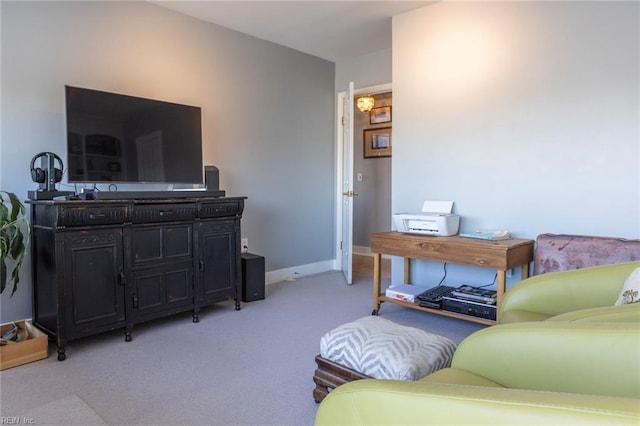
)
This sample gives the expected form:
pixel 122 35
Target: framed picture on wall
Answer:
pixel 377 142
pixel 380 115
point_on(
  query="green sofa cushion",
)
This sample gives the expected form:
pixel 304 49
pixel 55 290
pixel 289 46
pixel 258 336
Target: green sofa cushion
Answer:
pixel 594 358
pixel 626 313
pixel 519 315
pixel 557 293
pixel 459 377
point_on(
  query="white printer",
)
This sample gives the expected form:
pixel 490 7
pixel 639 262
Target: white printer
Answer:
pixel 435 219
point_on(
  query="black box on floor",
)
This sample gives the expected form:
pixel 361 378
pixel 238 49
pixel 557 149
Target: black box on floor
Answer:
pixel 252 277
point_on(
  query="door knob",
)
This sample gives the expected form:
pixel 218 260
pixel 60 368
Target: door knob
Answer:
pixel 350 194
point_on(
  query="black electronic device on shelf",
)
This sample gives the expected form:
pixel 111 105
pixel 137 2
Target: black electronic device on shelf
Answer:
pixel 149 195
pixel 432 298
pixel 469 307
pixel 477 294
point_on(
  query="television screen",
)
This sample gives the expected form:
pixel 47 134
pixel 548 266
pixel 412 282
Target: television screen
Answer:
pixel 119 138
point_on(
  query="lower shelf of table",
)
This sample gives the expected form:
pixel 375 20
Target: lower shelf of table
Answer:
pixel 470 318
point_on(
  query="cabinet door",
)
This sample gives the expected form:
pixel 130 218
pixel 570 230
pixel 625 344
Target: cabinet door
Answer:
pixel 162 269
pixel 218 260
pixel 158 291
pixel 158 244
pixel 94 281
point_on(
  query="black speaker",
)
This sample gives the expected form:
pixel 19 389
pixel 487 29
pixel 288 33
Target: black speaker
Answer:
pixel 211 178
pixel 252 277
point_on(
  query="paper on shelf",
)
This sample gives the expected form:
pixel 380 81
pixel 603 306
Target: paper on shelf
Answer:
pixel 437 206
pixel 404 292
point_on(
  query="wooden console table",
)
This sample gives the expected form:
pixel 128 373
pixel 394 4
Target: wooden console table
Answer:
pixel 499 255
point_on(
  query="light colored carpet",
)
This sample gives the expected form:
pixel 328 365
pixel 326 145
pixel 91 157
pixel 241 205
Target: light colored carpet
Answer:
pixel 71 410
pixel 247 367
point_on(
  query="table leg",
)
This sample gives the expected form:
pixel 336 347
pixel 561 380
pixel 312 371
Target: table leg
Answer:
pixel 377 257
pixel 502 285
pixel 525 271
pixel 407 270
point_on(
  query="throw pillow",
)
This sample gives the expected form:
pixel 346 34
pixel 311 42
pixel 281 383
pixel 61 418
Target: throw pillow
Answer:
pixel 631 289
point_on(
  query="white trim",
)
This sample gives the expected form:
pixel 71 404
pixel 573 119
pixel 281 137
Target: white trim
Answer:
pixel 339 177
pixel 297 272
pixel 374 90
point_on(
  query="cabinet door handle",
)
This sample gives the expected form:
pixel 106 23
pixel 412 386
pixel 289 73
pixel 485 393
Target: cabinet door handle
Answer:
pixel 201 265
pixel 164 213
pixel 122 279
pixel 97 215
pixel 135 301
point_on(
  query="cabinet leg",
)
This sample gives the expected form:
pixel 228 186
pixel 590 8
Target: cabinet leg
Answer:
pixel 61 353
pixel 127 335
pixel 237 305
pixel 194 316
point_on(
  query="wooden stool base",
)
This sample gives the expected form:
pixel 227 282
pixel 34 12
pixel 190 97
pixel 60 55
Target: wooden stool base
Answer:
pixel 330 375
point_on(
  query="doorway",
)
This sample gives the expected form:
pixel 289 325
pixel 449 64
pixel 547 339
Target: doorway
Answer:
pixel 372 171
pixel 369 180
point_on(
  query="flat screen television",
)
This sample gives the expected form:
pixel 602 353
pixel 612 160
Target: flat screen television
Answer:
pixel 119 138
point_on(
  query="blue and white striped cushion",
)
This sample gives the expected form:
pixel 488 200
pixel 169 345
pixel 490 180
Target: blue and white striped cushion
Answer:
pixel 383 349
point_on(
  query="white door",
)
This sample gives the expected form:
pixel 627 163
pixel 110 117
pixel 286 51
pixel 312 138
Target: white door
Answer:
pixel 346 244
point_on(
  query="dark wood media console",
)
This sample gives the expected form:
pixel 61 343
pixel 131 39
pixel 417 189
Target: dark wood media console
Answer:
pixel 103 265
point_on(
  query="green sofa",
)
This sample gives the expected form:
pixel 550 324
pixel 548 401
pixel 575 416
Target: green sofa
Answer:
pixel 547 372
pixel 587 294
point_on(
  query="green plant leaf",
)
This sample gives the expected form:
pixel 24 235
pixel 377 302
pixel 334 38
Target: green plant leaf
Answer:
pixel 18 249
pixel 3 275
pixel 13 240
pixel 4 211
pixel 16 207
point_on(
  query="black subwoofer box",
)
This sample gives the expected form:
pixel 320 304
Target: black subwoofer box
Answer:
pixel 252 277
pixel 212 178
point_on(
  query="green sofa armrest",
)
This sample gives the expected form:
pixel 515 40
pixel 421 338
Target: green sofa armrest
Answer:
pixel 387 402
pixel 574 357
pixel 547 295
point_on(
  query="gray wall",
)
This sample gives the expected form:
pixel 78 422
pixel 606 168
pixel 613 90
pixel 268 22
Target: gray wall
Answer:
pixel 523 113
pixel 268 111
pixel 365 71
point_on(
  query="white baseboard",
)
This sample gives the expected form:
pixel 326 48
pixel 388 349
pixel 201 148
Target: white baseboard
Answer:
pixel 296 272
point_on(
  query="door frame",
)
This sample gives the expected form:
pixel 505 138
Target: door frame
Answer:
pixel 370 90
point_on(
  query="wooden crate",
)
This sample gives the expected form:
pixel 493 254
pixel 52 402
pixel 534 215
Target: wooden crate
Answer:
pixel 33 349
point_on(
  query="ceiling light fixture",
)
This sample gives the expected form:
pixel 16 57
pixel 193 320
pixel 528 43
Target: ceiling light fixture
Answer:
pixel 365 103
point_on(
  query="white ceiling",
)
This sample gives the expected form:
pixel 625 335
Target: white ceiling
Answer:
pixel 332 30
